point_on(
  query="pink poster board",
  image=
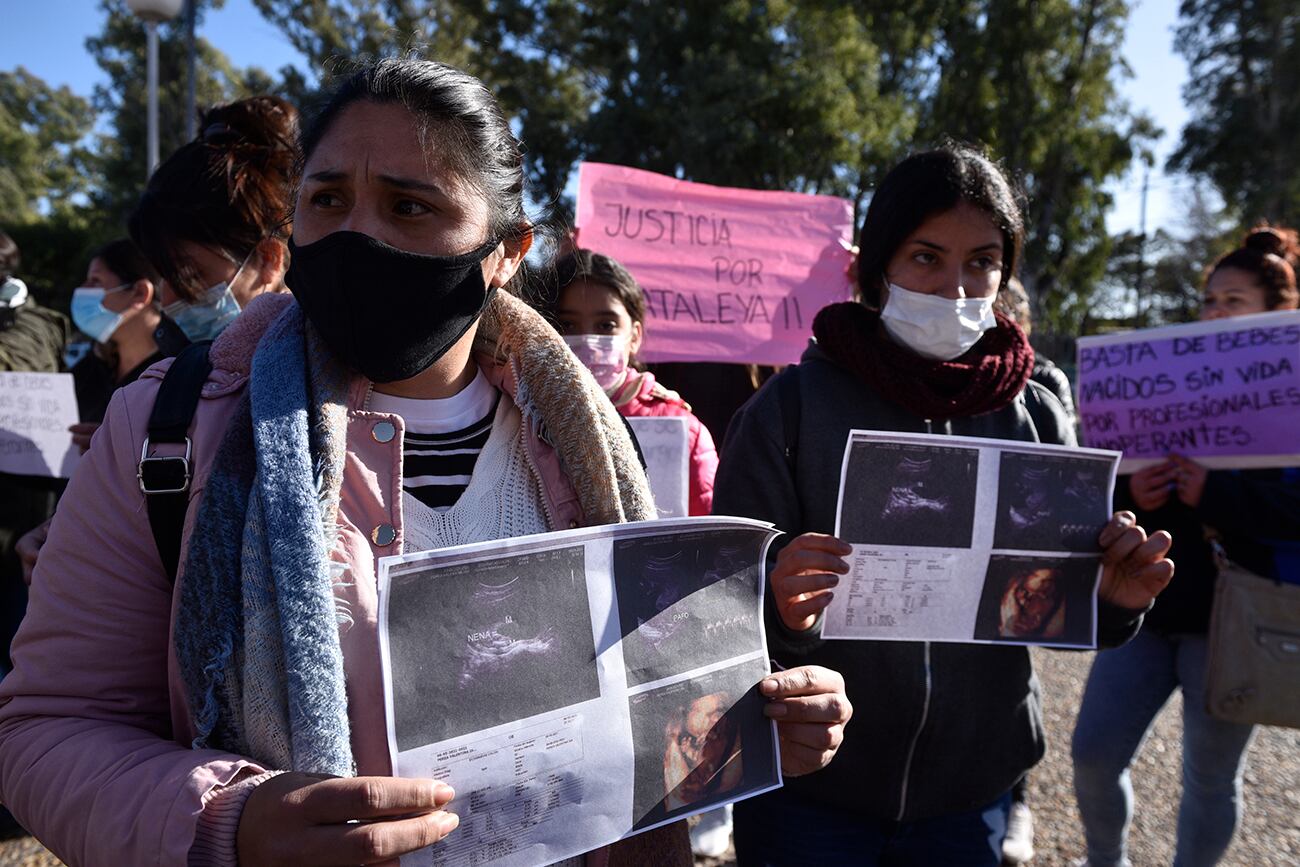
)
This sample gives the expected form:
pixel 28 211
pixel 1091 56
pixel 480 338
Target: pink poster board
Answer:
pixel 728 274
pixel 1225 392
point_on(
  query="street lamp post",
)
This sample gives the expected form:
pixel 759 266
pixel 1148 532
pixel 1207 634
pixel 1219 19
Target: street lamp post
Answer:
pixel 153 11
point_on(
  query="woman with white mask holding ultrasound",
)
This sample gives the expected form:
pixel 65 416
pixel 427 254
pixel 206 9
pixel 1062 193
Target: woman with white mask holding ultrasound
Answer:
pixel 942 731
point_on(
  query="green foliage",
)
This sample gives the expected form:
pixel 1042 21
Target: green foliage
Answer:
pixel 44 163
pixel 56 250
pixel 1034 81
pixel 120 50
pixel 1244 94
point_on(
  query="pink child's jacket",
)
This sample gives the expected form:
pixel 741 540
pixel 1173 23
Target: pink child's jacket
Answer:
pixel 94 731
pixel 650 398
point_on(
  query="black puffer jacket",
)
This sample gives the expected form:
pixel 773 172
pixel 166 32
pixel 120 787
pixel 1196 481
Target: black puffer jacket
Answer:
pixel 937 728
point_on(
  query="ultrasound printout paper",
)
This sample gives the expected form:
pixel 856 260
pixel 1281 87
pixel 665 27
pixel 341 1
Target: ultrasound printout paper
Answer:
pixel 578 687
pixel 966 539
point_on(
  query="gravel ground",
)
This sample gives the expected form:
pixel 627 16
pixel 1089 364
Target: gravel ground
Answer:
pixel 1269 835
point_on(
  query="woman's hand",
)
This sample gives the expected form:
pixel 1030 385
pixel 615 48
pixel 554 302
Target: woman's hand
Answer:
pixel 309 819
pixel 805 571
pixel 1190 478
pixel 811 710
pixel 29 548
pixel 1151 487
pixel 1134 567
pixel 82 432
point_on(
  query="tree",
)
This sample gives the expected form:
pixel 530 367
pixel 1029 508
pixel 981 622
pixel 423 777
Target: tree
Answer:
pixel 1244 94
pixel 812 95
pixel 120 51
pixel 1034 83
pixel 45 165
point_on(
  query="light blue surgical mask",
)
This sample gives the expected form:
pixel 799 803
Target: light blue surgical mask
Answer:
pixel 91 316
pixel 208 316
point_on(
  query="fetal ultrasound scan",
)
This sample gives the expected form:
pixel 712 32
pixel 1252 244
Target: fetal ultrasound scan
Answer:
pixel 687 596
pixel 1038 600
pixel 480 644
pixel 1051 502
pixel 912 495
pixel 699 742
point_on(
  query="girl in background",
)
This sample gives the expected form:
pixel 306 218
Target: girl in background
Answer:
pixel 1255 514
pixel 600 310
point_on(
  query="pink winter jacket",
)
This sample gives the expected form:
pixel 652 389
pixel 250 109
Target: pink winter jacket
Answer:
pixel 653 399
pixel 94 730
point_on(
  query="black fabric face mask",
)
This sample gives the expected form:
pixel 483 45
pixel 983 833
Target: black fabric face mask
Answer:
pixel 383 311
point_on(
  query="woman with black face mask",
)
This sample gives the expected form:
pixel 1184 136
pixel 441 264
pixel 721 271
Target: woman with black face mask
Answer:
pixel 396 401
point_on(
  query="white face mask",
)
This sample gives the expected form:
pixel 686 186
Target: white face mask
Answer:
pixel 933 326
pixel 605 355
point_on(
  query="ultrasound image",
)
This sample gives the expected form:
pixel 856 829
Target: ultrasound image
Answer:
pixel 687 599
pixel 700 742
pixel 480 644
pixel 912 495
pixel 1038 600
pixel 1051 503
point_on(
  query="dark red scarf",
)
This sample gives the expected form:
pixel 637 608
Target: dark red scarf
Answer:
pixel 985 379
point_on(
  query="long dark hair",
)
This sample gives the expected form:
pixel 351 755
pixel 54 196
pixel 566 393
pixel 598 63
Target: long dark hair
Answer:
pixel 581 264
pixel 454 107
pixel 926 184
pixel 229 189
pixel 1270 254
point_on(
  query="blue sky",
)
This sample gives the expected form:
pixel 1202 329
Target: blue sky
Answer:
pixel 48 38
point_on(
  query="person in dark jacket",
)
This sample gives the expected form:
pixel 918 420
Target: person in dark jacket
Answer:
pixel 942 731
pixel 32 338
pixel 1255 516
pixel 1013 302
pixel 117 307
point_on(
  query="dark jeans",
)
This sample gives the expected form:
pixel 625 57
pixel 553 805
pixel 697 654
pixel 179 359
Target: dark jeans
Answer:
pixel 779 830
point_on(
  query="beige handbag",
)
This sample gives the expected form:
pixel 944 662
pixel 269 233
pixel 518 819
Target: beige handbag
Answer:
pixel 1253 671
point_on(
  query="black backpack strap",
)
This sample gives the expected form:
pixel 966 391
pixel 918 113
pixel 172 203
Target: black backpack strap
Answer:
pixel 165 479
pixel 791 401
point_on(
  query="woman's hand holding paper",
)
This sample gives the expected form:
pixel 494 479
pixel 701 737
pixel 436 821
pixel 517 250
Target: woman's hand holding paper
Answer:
pixel 811 710
pixel 1134 566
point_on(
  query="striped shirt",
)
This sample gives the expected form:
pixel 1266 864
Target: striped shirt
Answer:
pixel 443 440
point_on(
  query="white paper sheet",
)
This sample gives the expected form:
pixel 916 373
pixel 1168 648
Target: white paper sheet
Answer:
pixel 966 539
pixel 665 443
pixel 575 688
pixel 35 412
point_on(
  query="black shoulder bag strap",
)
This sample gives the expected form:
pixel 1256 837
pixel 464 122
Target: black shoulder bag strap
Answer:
pixel 165 479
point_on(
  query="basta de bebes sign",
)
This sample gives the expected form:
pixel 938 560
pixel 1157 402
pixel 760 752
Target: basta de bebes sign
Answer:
pixel 728 274
pixel 1225 392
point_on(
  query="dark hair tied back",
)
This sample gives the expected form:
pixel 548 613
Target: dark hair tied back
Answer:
pixel 926 184
pixel 228 190
pixel 1270 254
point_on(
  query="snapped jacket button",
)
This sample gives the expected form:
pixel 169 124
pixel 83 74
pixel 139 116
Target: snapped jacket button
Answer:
pixel 382 535
pixel 383 431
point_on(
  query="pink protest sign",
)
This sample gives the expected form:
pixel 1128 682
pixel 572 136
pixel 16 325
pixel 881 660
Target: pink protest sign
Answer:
pixel 1225 392
pixel 728 274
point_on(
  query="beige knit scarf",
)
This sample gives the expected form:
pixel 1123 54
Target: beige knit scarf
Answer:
pixel 556 391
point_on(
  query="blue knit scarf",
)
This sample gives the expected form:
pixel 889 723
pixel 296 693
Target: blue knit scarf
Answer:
pixel 256 632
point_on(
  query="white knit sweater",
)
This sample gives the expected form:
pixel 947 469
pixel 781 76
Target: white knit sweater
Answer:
pixel 503 498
